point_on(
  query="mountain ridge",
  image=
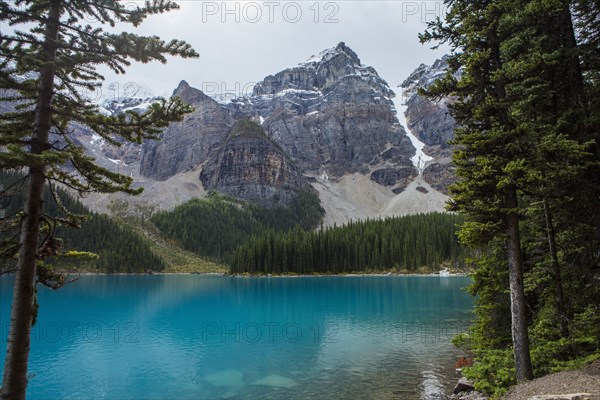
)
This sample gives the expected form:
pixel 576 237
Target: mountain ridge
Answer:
pixel 331 115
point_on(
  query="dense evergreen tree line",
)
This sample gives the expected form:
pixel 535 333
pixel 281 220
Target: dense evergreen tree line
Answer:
pixel 404 243
pixel 119 248
pixel 525 79
pixel 215 226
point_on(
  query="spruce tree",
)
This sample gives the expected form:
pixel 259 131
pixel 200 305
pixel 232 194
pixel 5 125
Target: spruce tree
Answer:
pixel 487 142
pixel 547 96
pixel 527 157
pixel 48 58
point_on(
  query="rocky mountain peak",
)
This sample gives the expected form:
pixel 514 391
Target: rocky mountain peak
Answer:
pixel 424 76
pixel 340 50
pixel 189 94
pixel 123 104
pixel 331 115
pixel 429 120
pixel 324 72
pixel 188 143
pixel 327 124
pixel 182 85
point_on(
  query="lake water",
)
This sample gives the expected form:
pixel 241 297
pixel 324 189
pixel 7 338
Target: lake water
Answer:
pixel 212 337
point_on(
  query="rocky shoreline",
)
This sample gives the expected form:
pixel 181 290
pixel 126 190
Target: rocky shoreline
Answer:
pixel 579 384
pixel 465 390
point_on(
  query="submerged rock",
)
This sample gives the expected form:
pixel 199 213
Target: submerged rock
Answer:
pixel 226 378
pixel 465 390
pixel 276 381
pixel 468 396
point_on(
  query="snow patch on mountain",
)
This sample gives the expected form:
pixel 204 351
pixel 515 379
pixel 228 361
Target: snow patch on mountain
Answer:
pixel 423 77
pixel 420 159
pixel 312 93
pixel 123 104
pixel 95 138
pixel 323 56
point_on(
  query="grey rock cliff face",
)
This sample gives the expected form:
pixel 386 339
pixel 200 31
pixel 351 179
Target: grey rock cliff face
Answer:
pixel 428 120
pixel 251 167
pixel 188 143
pixel 330 114
pixel 341 139
pixel 431 122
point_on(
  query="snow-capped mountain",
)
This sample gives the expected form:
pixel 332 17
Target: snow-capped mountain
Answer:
pixel 330 123
pixel 331 115
pixel 423 77
pixel 122 104
pixel 125 158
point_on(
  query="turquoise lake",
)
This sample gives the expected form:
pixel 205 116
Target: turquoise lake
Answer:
pixel 213 337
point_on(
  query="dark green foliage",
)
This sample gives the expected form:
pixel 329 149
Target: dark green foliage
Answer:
pixel 528 111
pixel 304 211
pixel 215 226
pixel 404 243
pixel 490 336
pixel 118 247
pixel 210 227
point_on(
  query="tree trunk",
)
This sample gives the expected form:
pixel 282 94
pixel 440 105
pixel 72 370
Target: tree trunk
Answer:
pixel 573 78
pixel 520 336
pixel 558 290
pixel 14 381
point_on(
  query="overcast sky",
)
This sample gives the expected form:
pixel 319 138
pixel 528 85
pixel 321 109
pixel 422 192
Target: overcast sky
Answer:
pixel 241 42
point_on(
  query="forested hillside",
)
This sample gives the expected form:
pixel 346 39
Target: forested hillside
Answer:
pixel 412 243
pixel 215 226
pixel 118 247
